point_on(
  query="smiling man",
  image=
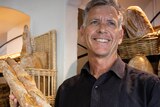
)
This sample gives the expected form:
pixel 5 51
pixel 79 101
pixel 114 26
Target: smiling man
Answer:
pixel 102 32
pixel 105 80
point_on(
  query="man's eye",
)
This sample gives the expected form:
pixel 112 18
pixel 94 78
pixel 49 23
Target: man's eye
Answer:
pixel 94 22
pixel 111 23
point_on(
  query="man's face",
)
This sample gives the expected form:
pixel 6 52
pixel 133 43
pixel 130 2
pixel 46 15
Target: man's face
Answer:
pixel 102 32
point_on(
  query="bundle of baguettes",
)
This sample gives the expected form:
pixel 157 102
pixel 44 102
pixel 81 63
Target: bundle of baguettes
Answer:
pixel 136 22
pixel 22 85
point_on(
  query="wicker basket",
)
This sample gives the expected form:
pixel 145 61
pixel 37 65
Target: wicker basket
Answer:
pixel 147 45
pixel 47 43
pixel 46 81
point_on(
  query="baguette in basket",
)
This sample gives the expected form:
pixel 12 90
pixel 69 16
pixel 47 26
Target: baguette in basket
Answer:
pixel 22 85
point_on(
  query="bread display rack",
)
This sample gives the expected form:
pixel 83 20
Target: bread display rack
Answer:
pixel 148 45
pixel 46 81
pixel 46 78
pixel 140 36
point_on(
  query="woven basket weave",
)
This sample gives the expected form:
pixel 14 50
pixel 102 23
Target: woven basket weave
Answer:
pixel 47 43
pixel 147 45
pixel 46 81
pixel 46 78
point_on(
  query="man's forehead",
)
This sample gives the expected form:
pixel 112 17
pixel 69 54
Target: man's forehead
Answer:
pixel 103 11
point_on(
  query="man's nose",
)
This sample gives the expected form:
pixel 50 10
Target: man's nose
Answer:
pixel 102 28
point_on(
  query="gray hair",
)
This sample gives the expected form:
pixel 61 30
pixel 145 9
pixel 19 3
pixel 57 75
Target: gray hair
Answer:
pixel 94 3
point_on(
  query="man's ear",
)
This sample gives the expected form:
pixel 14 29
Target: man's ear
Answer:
pixel 82 34
pixel 121 36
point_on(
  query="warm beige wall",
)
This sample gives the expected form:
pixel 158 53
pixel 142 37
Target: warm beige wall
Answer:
pixel 151 10
pixel 3 39
pixel 16 45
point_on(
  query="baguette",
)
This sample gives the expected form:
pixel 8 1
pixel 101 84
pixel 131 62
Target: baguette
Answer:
pixel 18 89
pixel 28 59
pixel 27 46
pixel 28 83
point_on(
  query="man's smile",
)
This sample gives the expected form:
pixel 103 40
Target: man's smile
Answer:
pixel 102 40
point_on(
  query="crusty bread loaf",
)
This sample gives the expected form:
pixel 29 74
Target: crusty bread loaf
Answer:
pixel 142 63
pixel 18 89
pixel 22 85
pixel 28 59
pixel 26 46
pixel 136 22
pixel 34 60
pixel 28 83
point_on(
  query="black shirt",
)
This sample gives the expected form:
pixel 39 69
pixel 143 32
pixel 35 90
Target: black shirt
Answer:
pixel 121 86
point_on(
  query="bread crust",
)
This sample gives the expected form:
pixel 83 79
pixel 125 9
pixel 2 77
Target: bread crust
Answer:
pixel 18 89
pixel 18 78
pixel 136 22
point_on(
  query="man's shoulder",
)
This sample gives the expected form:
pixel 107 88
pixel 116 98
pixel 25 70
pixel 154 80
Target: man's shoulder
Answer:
pixel 141 75
pixel 70 82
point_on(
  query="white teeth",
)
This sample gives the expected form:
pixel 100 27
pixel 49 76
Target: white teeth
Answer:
pixel 102 40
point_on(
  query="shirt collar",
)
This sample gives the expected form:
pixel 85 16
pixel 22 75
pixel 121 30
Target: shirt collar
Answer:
pixel 118 68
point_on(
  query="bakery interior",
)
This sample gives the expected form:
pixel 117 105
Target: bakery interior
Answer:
pixel 54 52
